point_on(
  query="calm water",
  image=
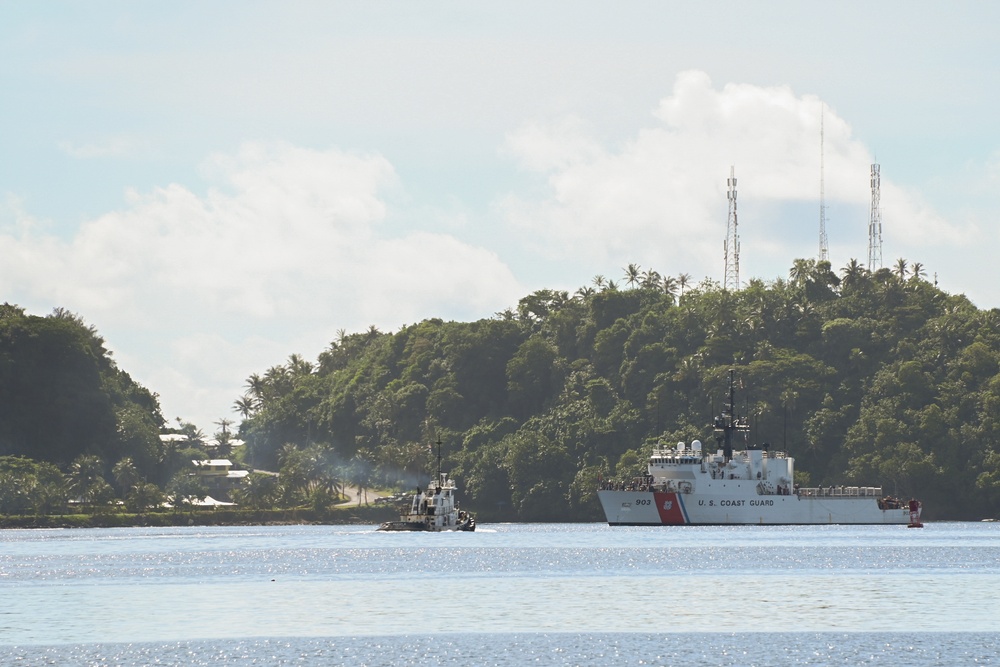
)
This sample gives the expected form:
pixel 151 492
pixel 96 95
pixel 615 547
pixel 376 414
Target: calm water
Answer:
pixel 505 595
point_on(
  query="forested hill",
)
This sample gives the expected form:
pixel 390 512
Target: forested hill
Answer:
pixel 62 397
pixel 865 378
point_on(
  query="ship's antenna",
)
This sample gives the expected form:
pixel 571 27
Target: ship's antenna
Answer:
pixel 727 426
pixel 875 224
pixel 824 247
pixel 439 457
pixel 731 246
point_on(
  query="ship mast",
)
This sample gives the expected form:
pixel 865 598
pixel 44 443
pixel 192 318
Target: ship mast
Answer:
pixel 439 460
pixel 725 423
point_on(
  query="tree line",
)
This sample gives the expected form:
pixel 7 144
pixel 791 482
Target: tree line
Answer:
pixel 866 378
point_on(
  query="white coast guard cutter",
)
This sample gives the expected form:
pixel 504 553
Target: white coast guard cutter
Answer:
pixel 740 484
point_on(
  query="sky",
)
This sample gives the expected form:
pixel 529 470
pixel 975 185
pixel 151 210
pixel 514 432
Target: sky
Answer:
pixel 217 186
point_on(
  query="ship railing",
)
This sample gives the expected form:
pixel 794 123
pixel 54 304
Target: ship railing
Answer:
pixel 636 484
pixel 842 492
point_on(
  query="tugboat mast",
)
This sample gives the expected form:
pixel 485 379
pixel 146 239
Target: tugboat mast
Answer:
pixel 439 460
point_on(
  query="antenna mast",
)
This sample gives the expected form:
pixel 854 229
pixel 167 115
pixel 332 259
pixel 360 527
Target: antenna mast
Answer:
pixel 824 248
pixel 439 457
pixel 731 246
pixel 875 224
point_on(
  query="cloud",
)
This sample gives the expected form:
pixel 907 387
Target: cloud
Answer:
pixel 660 197
pixel 285 247
pixel 558 146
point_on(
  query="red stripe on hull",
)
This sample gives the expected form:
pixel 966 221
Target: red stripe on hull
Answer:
pixel 669 507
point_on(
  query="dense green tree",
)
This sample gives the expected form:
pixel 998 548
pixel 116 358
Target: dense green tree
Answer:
pixel 126 475
pixel 540 472
pixel 258 491
pixel 143 497
pixel 30 487
pixel 62 396
pixel 185 488
pixel 531 376
pixel 86 481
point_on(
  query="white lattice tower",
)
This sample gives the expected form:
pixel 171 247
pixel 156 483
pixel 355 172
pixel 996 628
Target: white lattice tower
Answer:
pixel 824 246
pixel 731 247
pixel 875 224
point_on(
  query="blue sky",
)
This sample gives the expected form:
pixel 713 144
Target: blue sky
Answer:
pixel 216 186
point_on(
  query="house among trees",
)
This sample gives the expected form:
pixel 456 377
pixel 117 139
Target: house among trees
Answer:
pixel 218 477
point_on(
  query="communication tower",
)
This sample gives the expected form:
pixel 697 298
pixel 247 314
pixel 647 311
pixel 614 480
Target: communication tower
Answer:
pixel 731 246
pixel 824 246
pixel 875 224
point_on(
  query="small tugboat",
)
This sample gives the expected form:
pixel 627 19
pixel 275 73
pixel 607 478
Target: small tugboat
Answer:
pixel 433 510
pixel 740 484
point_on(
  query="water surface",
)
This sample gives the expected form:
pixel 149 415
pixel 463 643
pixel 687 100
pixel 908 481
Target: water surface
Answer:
pixel 545 594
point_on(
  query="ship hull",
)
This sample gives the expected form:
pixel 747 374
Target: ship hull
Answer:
pixel 468 525
pixel 654 508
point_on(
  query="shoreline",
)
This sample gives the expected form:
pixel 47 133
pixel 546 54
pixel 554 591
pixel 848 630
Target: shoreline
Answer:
pixel 210 517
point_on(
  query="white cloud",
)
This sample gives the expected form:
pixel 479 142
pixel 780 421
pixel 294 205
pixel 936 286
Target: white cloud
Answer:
pixel 284 249
pixel 558 146
pixel 660 199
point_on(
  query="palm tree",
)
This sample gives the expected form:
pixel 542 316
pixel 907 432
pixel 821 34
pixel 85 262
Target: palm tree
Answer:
pixel 584 292
pixel 917 271
pixel 224 424
pixel 245 405
pixel 651 279
pixel 298 470
pixel 670 287
pixel 683 280
pixel 297 365
pixel 853 273
pixel 126 475
pixel 361 475
pixel 801 271
pixel 599 281
pixel 276 379
pixel 196 437
pixel 144 497
pixel 328 474
pixel 256 385
pixel 632 274
pixel 258 491
pixel 85 475
pixel 901 268
pixel 222 437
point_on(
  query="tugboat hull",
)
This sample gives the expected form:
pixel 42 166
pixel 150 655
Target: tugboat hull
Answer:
pixel 468 525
